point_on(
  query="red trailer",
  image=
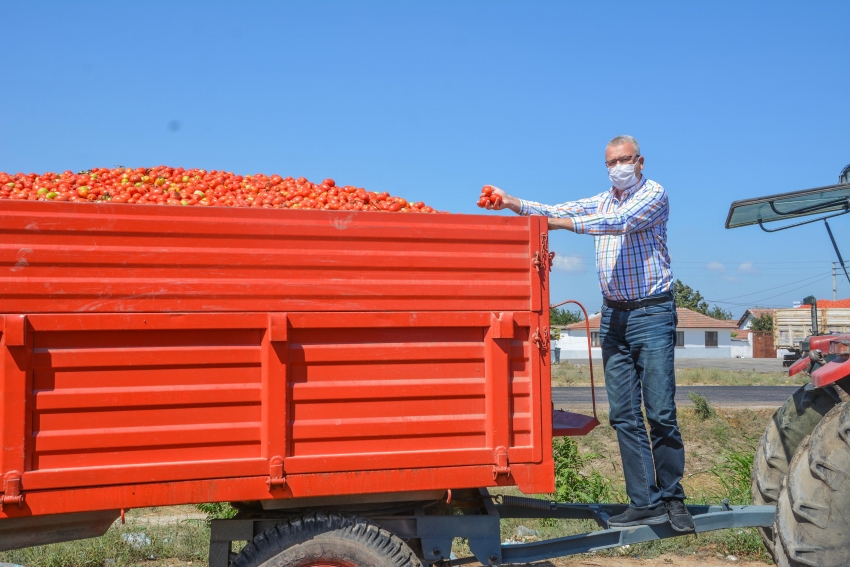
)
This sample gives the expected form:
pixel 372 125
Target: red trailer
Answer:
pixel 294 361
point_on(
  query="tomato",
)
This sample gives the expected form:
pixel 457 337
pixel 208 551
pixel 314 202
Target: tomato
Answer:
pixel 163 185
pixel 487 190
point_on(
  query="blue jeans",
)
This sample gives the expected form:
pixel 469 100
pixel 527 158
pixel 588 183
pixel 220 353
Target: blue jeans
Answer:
pixel 637 355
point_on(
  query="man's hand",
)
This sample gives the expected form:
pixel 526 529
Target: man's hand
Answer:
pixel 507 201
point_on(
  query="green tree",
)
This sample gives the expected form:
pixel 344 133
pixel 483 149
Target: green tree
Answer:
pixel 559 316
pixel 692 299
pixel 689 298
pixel 763 322
pixel 718 312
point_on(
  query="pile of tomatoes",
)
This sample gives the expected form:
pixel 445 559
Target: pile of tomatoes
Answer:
pixel 197 187
pixel 487 196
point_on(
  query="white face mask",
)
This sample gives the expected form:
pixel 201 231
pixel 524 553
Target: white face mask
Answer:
pixel 622 175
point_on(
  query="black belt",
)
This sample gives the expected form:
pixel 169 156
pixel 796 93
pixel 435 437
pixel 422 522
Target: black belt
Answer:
pixel 638 303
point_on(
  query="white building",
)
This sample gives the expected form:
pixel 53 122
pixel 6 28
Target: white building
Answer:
pixel 697 336
pixel 742 342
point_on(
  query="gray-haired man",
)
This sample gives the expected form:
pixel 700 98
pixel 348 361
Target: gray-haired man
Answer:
pixel 637 330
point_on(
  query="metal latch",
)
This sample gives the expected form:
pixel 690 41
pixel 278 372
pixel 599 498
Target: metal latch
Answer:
pixel 535 261
pixel 12 490
pixel 276 476
pixel 502 467
pixel 541 339
pixel 543 259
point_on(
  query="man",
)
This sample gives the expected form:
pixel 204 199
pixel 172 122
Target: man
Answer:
pixel 555 336
pixel 637 330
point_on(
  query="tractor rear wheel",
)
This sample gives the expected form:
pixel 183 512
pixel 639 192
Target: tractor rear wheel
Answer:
pixel 813 510
pixel 789 425
pixel 326 540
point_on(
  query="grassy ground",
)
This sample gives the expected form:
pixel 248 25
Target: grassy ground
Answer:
pixel 718 462
pixel 137 542
pixel 566 374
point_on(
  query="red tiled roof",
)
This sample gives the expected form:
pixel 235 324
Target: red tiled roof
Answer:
pixel 687 320
pixel 692 320
pixel 741 335
pixel 594 323
pixel 829 303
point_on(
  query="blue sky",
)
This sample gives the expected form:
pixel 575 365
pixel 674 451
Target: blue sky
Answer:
pixel 433 100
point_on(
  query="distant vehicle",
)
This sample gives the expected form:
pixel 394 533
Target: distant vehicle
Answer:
pixel 791 326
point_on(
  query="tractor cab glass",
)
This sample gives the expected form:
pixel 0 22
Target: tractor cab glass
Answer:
pixel 787 206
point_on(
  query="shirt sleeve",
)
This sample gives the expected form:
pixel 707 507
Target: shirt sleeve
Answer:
pixel 647 208
pixel 569 209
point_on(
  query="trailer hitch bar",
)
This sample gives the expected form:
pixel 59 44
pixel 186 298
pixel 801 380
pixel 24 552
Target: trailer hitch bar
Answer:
pixel 706 518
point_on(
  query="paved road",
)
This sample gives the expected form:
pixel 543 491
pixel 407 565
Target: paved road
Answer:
pixel 754 364
pixel 721 396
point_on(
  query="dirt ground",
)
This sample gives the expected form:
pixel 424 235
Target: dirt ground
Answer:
pixel 660 561
pixel 164 516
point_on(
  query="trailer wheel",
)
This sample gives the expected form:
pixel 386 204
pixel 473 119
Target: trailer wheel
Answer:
pixel 813 511
pixel 326 540
pixel 792 422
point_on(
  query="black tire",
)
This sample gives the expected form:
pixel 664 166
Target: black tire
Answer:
pixel 790 424
pixel 813 511
pixel 326 540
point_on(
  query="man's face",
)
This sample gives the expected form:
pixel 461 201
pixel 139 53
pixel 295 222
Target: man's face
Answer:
pixel 615 154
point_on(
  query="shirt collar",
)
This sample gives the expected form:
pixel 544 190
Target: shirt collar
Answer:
pixel 630 190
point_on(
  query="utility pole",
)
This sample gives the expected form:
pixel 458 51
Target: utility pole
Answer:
pixel 834 281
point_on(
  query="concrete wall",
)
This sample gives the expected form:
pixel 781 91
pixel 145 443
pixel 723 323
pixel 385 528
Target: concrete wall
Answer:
pixel 573 344
pixel 695 344
pixel 742 349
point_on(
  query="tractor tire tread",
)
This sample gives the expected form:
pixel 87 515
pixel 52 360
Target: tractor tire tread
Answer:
pixel 790 423
pixel 813 511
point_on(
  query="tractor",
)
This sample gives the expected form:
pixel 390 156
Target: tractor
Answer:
pixel 802 462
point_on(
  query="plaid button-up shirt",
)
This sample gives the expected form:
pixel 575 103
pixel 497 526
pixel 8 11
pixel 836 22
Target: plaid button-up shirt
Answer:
pixel 630 236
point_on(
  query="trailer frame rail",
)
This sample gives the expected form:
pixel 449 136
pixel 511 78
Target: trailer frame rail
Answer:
pixel 437 532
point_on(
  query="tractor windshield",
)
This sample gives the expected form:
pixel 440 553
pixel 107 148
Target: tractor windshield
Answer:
pixel 786 206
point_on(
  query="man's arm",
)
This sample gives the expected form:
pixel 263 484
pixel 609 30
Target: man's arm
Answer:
pixel 562 211
pixel 564 223
pixel 647 208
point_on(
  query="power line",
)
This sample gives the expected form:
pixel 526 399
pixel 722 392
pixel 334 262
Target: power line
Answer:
pixel 771 288
pixel 707 273
pixel 760 263
pixel 772 296
pixel 757 263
